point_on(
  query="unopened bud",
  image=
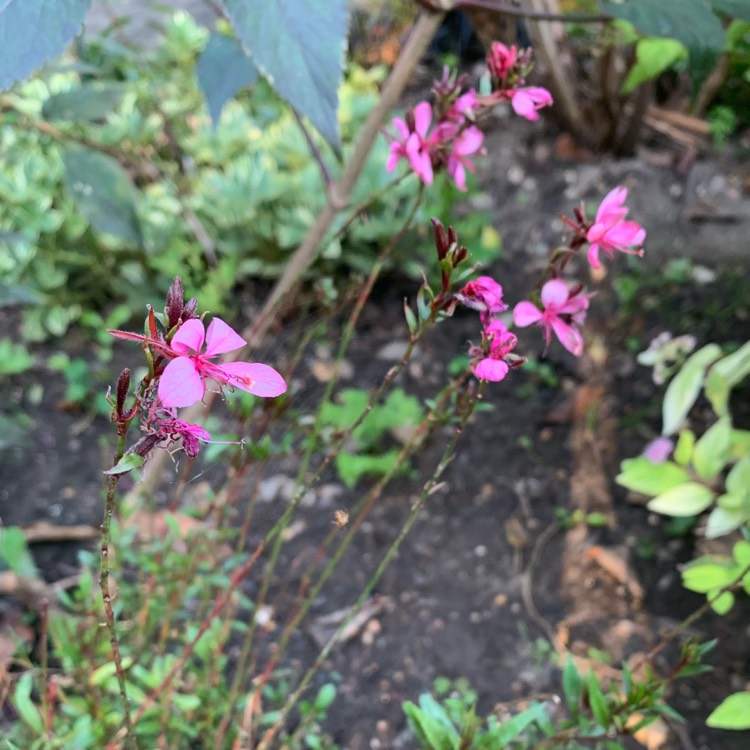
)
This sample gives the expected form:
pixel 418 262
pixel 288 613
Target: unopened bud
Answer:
pixel 188 311
pixel 174 306
pixel 123 386
pixel 441 239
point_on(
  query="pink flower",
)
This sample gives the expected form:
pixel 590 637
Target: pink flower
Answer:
pixel 527 101
pixel 501 59
pixel 464 106
pixel 413 145
pixel 659 450
pixel 183 381
pixel 467 142
pixel 493 365
pixel 609 232
pixel 483 294
pixel 563 308
pixel 169 430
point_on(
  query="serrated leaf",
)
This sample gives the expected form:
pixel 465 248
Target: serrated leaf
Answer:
pixel 127 463
pixel 652 57
pixel 223 69
pixel 688 21
pixel 712 451
pixel 687 499
pixel 644 476
pixel 33 32
pixel 103 192
pixel 299 47
pixel 88 103
pixel 732 713
pixel 684 388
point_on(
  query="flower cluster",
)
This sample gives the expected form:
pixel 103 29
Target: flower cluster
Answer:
pixel 508 68
pixel 444 134
pixel 558 307
pixel 182 353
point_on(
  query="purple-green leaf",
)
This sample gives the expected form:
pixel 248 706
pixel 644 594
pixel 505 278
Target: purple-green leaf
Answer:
pixel 34 31
pixel 299 47
pixel 126 464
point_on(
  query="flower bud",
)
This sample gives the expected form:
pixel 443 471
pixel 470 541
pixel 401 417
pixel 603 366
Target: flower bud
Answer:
pixel 123 386
pixel 173 310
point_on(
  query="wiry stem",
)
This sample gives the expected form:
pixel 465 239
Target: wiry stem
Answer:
pixel 109 509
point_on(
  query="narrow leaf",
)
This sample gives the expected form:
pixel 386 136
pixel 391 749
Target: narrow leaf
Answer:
pixel 299 47
pixel 127 463
pixel 597 701
pixel 712 451
pixel 223 69
pixel 33 32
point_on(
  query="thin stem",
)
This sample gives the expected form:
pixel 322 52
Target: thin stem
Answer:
pixel 109 509
pixel 521 12
pixel 314 150
pixel 389 555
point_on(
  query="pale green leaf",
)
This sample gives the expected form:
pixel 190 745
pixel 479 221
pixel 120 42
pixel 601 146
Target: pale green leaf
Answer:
pixel 722 521
pixel 722 603
pixel 687 499
pixel 706 574
pixel 683 451
pixel 684 388
pixel 712 451
pixel 641 475
pixel 732 713
pixel 741 552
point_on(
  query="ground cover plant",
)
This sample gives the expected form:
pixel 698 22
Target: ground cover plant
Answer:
pixel 172 634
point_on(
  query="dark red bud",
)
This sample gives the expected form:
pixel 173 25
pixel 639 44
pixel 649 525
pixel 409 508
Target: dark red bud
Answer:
pixel 188 311
pixel 174 306
pixel 123 386
pixel 441 240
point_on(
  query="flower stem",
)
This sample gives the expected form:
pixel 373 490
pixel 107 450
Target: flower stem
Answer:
pixel 109 509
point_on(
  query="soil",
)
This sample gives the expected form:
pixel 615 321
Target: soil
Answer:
pixel 453 602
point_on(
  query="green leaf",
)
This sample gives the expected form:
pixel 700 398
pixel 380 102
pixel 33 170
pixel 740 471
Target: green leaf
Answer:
pixel 724 375
pixel 688 21
pixel 740 443
pixel 223 69
pixel 732 713
pixel 644 476
pixel 352 466
pixel 510 729
pixel 722 521
pixel 299 47
pixel 22 702
pixel 88 103
pixel 738 479
pixel 683 451
pixel 722 604
pixel 687 499
pixel 14 552
pixel 597 700
pixel 325 697
pixel 741 553
pixel 127 463
pixel 705 574
pixel 684 388
pixel 103 192
pixel 652 57
pixel 712 451
pixel 733 8
pixel 34 31
pixel 571 682
pixel 431 724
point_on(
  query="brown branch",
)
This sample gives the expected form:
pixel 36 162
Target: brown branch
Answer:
pixel 531 14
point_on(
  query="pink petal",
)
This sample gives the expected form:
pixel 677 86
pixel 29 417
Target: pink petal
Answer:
pixel 555 294
pixel 469 142
pixel 593 256
pixel 626 234
pixel 491 369
pixel 659 450
pixel 181 384
pixel 569 337
pixel 611 207
pixel 526 314
pixel 255 378
pixel 401 126
pixel 458 173
pixel 422 118
pixel 189 337
pixel 523 106
pixel 222 338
